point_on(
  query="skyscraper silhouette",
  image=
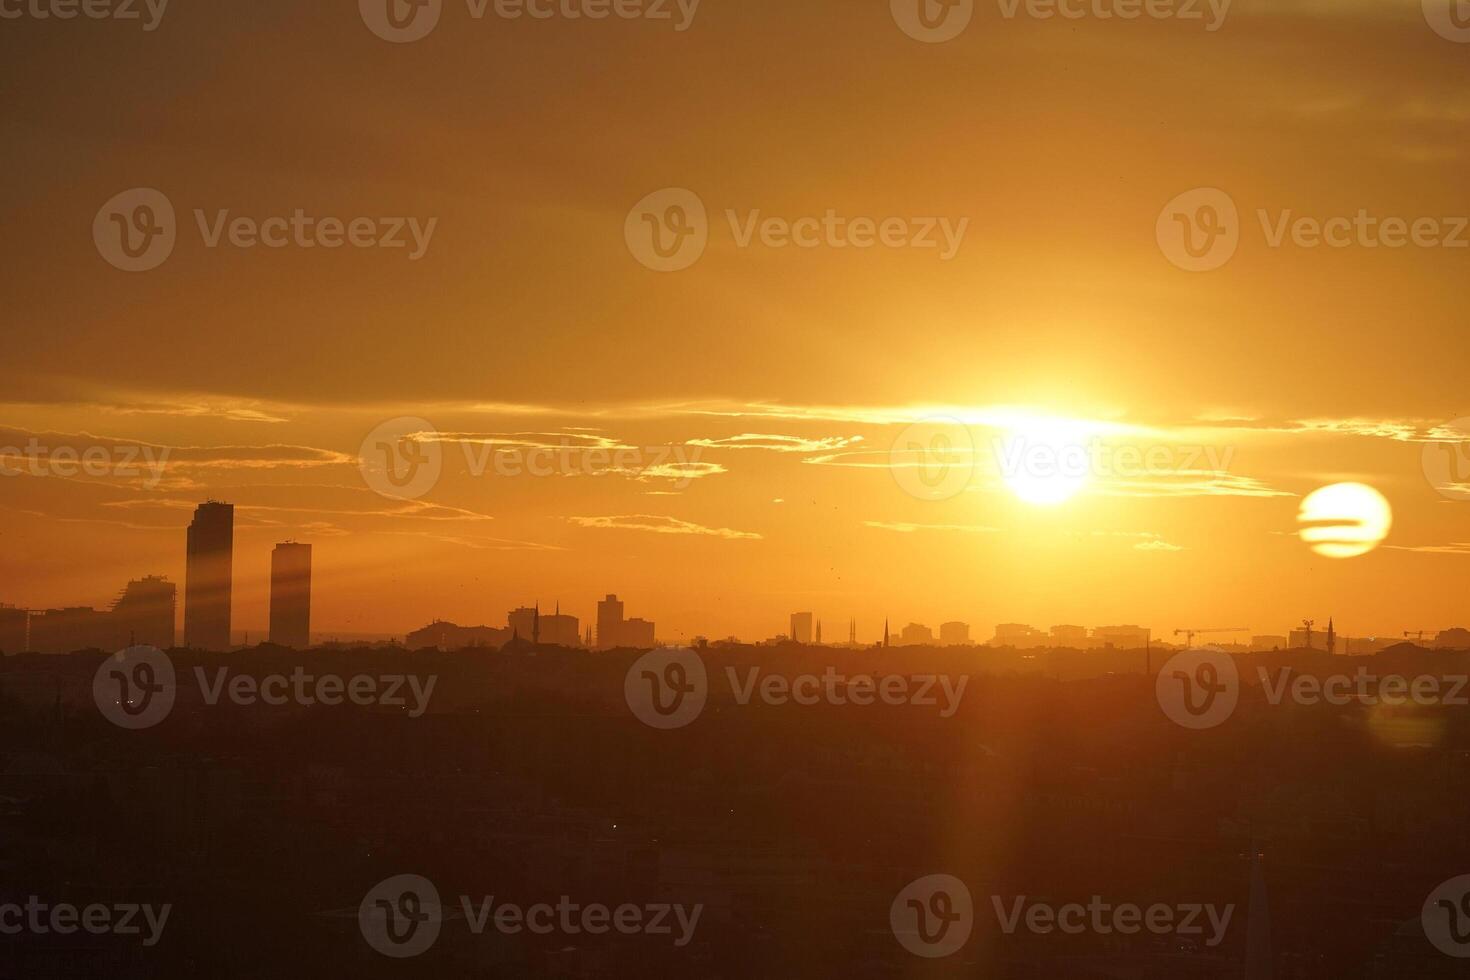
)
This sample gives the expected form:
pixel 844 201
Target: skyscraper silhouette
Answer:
pixel 609 622
pixel 209 577
pixel 291 595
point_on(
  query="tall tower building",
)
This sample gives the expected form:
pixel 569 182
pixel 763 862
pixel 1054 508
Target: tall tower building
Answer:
pixel 291 595
pixel 610 622
pixel 209 577
pixel 801 627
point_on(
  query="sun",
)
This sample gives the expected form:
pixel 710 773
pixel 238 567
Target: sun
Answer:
pixel 1345 520
pixel 1044 462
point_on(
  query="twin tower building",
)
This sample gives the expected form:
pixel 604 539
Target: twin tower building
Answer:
pixel 209 584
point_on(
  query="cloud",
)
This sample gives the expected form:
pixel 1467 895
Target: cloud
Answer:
pixel 479 543
pixel 1190 483
pixel 778 443
pixel 909 528
pixel 1156 545
pixel 1394 429
pixel 92 398
pixel 662 525
pixel 576 451
pixel 1458 548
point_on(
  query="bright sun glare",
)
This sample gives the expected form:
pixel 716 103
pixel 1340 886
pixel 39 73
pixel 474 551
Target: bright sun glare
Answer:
pixel 1044 462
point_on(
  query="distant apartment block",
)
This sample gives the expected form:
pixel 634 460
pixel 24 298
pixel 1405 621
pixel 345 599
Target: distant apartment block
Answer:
pixel 615 631
pixel 609 621
pixel 14 632
pixel 554 629
pixel 144 614
pixel 916 634
pixel 1020 636
pixel 71 629
pixel 954 634
pixel 209 577
pixel 1073 637
pixel 291 595
pixel 801 627
pixel 1121 637
pixel 561 630
pixel 1307 640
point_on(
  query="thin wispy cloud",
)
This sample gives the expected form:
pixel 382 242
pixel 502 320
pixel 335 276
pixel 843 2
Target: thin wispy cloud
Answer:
pixel 659 524
pixel 904 527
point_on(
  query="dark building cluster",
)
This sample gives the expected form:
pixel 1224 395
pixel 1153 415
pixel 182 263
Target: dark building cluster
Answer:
pixel 145 612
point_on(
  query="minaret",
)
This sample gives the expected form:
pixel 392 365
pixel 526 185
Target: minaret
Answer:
pixel 819 632
pixel 1331 638
pixel 885 632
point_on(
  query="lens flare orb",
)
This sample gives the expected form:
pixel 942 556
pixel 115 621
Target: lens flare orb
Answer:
pixel 1345 520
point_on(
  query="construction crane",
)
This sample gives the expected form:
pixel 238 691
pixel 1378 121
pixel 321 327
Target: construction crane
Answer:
pixel 1189 635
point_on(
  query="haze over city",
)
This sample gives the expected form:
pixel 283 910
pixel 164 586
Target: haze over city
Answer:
pixel 706 489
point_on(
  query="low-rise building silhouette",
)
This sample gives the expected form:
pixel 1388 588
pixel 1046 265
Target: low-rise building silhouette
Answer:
pixel 14 629
pixel 615 631
pixel 144 614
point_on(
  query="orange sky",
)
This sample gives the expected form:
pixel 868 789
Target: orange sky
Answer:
pixel 784 375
